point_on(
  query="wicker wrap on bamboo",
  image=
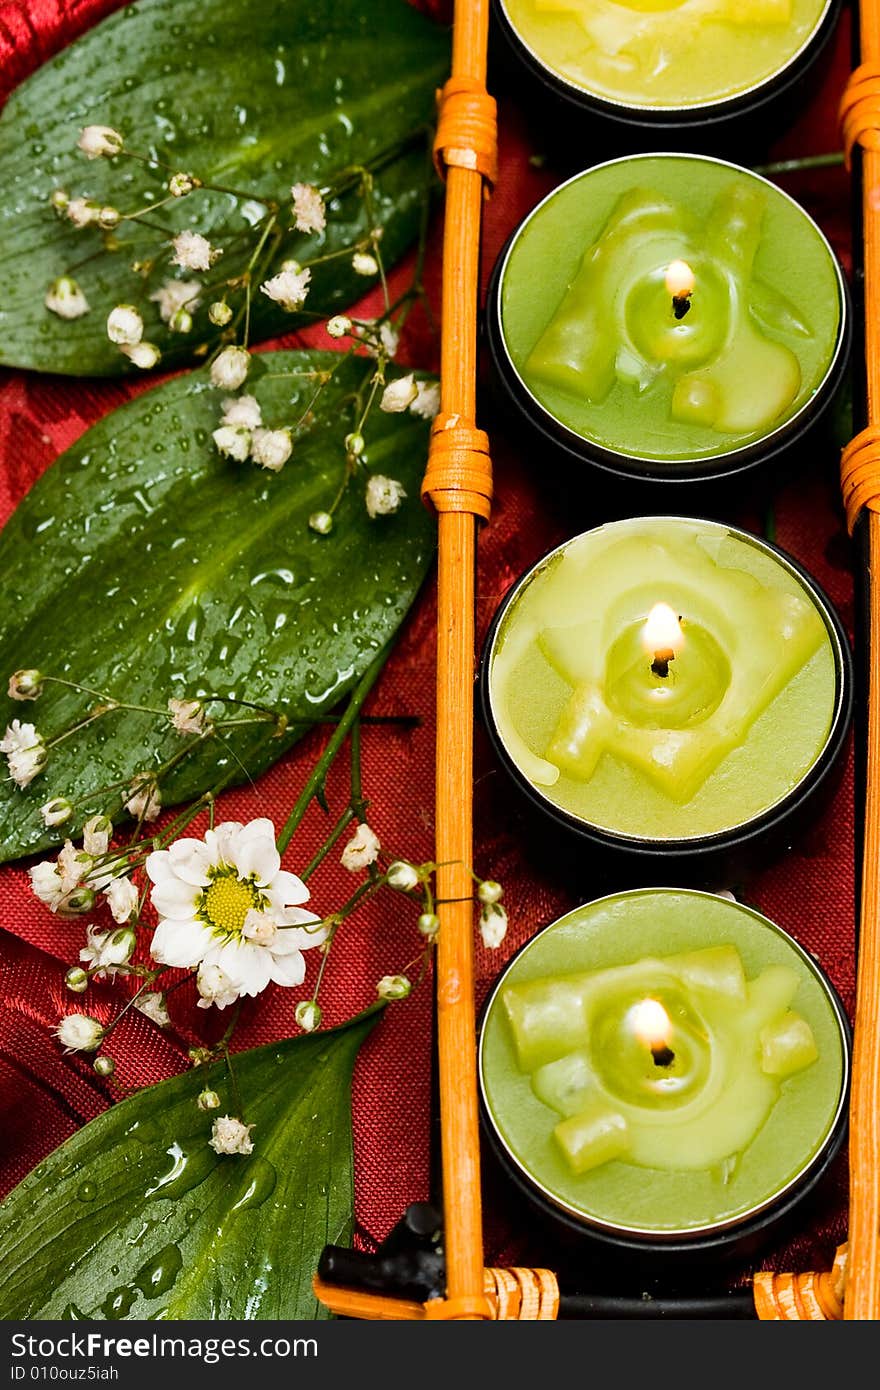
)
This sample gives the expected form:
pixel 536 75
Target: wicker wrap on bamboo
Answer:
pixel 459 473
pixel 802 1297
pixel 467 130
pixel 509 1295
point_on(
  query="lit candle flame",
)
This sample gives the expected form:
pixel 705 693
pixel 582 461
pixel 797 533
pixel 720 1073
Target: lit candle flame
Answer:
pixel 680 280
pixel 662 634
pixel 651 1024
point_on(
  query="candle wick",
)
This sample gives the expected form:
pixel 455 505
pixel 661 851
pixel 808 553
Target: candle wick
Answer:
pixel 660 664
pixel 663 1056
pixel 681 304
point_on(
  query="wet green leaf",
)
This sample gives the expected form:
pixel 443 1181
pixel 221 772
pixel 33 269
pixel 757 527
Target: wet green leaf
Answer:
pixel 136 1216
pixel 145 566
pixel 254 97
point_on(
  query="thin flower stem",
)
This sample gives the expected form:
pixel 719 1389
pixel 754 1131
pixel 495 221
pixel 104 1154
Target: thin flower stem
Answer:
pixel 333 838
pixel 321 768
pixel 810 161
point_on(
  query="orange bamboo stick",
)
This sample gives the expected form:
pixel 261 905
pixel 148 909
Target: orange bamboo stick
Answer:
pixel 862 1300
pixel 455 672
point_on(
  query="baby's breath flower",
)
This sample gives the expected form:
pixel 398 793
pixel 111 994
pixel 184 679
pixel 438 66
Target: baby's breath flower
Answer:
pixel 65 298
pixel 122 897
pixel 180 184
pixel 231 1136
pixel 108 218
pixel 399 395
pixel 98 140
pixel 76 980
pixel 143 355
pixel 393 987
pixel 308 1015
pixel 103 1066
pixel 125 325
pixel 144 801
pixel 379 339
pixel 429 925
pixel 25 685
pixel 79 1033
pixel 193 251
pixel 208 1100
pixel 219 313
pixel 308 208
pixel 83 211
pixel 427 401
pixel 153 1005
pixel 490 891
pixel 58 199
pixel 104 952
pixel 59 884
pixel 243 411
pixel 402 875
pixel 354 444
pixel 96 835
pixel 232 442
pixel 362 263
pixel 361 850
pixel 56 811
pixel 288 288
pixel 321 523
pixel 25 752
pixel 181 321
pixel 215 987
pixel 230 368
pixel 271 448
pixel 384 495
pixel 493 925
pixel 173 295
pixel 187 716
pixel 339 326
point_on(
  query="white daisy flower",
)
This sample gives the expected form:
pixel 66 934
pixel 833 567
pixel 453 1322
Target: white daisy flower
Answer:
pixel 153 1005
pixel 288 288
pixel 230 367
pixel 105 951
pixel 65 298
pixel 193 251
pixel 231 1136
pixel 271 448
pixel 98 140
pixel 174 295
pixel 243 411
pixel 122 898
pixel 206 893
pixel 361 850
pixel 308 208
pixel 384 495
pixel 427 401
pixel 399 395
pixel 25 752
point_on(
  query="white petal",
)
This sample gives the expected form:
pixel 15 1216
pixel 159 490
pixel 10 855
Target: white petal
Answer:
pixel 223 839
pixel 288 889
pixel 180 943
pixel 258 856
pixel 159 866
pixel 298 939
pixel 175 899
pixel 248 967
pixel 288 970
pixel 192 859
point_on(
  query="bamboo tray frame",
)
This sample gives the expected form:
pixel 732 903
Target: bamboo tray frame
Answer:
pixel 458 482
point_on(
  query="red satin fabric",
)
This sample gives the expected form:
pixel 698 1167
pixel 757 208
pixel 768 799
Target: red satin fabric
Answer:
pixel 46 1096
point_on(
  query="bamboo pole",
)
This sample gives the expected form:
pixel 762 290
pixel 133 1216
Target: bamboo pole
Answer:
pixel 456 1033
pixel 862 1299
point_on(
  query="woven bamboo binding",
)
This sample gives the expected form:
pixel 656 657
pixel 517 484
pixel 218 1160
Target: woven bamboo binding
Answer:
pixel 860 112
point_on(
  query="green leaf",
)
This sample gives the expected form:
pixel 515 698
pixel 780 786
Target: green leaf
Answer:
pixel 252 96
pixel 135 1215
pixel 145 566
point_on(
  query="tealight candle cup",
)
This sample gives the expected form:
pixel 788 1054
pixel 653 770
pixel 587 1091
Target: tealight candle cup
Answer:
pixel 641 1185
pixel 720 88
pixel 620 381
pixel 698 768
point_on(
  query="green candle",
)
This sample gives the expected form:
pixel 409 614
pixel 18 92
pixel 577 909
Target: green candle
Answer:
pixel 663 678
pixel 670 308
pixel 666 54
pixel 663 1061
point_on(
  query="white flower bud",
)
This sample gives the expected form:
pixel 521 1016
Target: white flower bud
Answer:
pixel 230 368
pixel 82 212
pixel 65 298
pixel 271 448
pixel 231 1136
pixel 339 326
pixel 321 522
pixel 354 444
pixel 427 401
pixel 361 850
pixel 122 897
pixel 143 355
pixel 76 979
pixel 78 900
pixel 125 327
pixel 181 321
pixel 429 925
pixel 96 835
pixel 399 395
pixel 180 184
pixel 153 1006
pixel 232 442
pixel 98 140
pixel 108 218
pixel 493 925
pixel 104 1066
pixel 79 1033
pixel 402 876
pixel 308 1015
pixel 208 1100
pixel 393 987
pixel 25 685
pixel 362 263
pixel 383 496
pixel 489 891
pixel 219 313
pixel 243 411
pixel 58 199
pixel 56 811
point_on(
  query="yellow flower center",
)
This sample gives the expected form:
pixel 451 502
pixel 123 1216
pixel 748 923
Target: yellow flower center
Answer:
pixel 227 901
